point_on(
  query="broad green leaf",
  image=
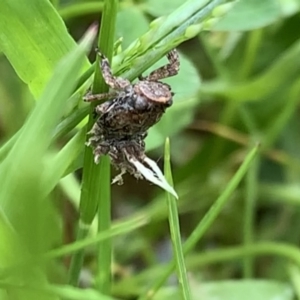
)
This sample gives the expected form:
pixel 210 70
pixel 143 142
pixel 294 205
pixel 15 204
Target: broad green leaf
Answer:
pixel 249 14
pixel 234 290
pixel 34 38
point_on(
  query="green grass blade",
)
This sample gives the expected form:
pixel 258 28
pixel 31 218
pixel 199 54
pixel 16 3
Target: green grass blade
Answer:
pixel 175 229
pixel 22 173
pixel 95 194
pixel 106 44
pixel 208 219
pixel 170 38
pixel 117 229
pixel 103 278
pixel 163 27
pixel 58 165
pixel 35 137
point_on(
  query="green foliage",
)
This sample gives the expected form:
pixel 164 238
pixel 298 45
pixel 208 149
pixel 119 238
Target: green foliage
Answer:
pixel 234 131
pixel 231 290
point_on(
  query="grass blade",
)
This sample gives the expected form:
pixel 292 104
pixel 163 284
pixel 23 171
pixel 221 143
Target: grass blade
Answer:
pixel 95 196
pixel 207 221
pixel 22 174
pixel 175 229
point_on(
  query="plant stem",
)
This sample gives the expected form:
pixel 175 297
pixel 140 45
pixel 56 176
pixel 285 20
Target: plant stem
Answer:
pixel 250 197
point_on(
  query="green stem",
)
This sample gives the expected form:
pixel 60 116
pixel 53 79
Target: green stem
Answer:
pixel 250 197
pixel 252 47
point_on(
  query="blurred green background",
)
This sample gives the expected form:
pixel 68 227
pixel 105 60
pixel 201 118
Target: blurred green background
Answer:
pixel 238 86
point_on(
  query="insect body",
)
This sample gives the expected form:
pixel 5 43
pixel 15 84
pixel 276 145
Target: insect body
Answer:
pixel 123 121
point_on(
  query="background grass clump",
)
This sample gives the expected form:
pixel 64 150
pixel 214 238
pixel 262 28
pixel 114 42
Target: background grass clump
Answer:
pixel 229 145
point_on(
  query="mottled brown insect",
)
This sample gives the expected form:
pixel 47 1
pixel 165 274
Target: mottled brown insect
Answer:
pixel 123 121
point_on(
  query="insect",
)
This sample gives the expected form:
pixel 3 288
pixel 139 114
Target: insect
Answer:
pixel 123 120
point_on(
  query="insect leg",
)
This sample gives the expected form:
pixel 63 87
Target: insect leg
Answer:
pixel 168 70
pixel 114 82
pixel 93 97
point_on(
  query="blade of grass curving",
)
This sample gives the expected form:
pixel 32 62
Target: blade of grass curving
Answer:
pixel 95 195
pixel 70 122
pixel 117 229
pixel 162 27
pixel 175 228
pixel 22 172
pixel 35 136
pixel 206 221
pixel 171 38
pixel 58 165
pixel 34 38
